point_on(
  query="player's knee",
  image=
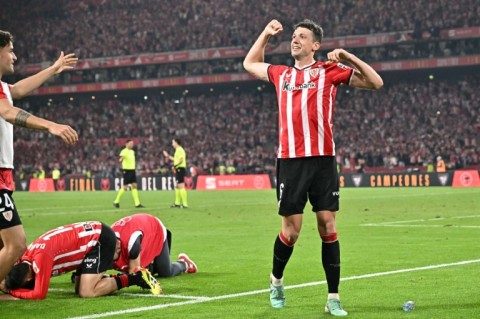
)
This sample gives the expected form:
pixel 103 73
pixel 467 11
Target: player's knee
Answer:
pixel 289 238
pixel 86 294
pixel 16 249
pixel 329 237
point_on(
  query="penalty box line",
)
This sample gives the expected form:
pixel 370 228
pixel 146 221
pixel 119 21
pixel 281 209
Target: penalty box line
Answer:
pixel 256 292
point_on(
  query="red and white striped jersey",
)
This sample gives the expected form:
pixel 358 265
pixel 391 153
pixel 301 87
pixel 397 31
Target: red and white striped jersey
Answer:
pixel 306 102
pixel 129 228
pixel 6 132
pixel 56 252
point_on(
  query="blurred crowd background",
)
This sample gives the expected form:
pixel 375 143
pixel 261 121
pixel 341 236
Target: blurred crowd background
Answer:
pixel 418 116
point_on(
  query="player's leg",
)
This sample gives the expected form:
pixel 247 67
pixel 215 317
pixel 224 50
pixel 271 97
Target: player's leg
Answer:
pixel 14 245
pixel 12 235
pixel 292 197
pixel 324 196
pixel 122 190
pixel 181 187
pixel 178 196
pixel 136 198
pixel 92 281
pixel 163 267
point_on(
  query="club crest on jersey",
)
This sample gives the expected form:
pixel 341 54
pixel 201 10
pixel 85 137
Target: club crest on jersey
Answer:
pixel 8 215
pixel 314 72
pixel 87 227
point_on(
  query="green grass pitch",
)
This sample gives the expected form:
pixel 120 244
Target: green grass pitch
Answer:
pixel 398 244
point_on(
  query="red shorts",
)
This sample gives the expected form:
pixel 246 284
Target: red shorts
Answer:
pixel 6 179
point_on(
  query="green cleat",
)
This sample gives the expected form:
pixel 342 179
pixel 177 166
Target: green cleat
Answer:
pixel 334 307
pixel 277 296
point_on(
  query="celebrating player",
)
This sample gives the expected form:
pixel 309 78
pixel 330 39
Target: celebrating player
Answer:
pixel 87 247
pixel 145 243
pixel 306 166
pixel 12 234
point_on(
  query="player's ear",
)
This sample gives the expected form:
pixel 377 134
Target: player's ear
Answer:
pixel 316 46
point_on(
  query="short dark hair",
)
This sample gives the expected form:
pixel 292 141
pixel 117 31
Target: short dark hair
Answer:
pixel 5 38
pixel 16 277
pixel 178 141
pixel 312 26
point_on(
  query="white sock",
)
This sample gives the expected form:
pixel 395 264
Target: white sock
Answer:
pixel 275 281
pixel 333 296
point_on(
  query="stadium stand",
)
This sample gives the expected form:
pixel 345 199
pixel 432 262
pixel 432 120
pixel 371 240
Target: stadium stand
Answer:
pixel 404 126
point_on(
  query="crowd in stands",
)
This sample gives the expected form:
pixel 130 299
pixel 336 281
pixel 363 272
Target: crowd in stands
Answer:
pixel 100 28
pixel 398 51
pixel 406 123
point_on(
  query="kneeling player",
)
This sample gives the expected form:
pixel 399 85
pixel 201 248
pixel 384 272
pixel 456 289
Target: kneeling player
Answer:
pixel 145 243
pixel 89 248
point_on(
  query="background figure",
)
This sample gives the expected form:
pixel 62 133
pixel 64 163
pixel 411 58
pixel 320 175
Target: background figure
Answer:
pixel 306 165
pixel 441 167
pixel 61 250
pixel 127 158
pixel 179 168
pixel 55 176
pixel 12 234
pixel 145 243
pixel 41 172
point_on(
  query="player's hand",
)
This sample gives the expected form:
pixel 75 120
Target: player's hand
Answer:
pixel 65 62
pixel 274 27
pixel 165 154
pixel 338 55
pixel 65 132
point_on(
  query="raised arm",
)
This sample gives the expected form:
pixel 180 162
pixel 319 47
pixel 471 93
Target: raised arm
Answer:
pixel 254 61
pixel 364 77
pixel 26 86
pixel 19 117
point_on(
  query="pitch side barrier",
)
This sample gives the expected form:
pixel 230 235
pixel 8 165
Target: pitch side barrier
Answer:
pixel 458 178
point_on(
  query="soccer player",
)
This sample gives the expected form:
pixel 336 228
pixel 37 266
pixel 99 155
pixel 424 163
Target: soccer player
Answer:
pixel 179 165
pixel 127 158
pixel 12 234
pixel 145 243
pixel 306 168
pixel 87 247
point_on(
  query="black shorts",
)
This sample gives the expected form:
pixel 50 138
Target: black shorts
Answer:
pixel 312 178
pixel 100 258
pixel 129 176
pixel 180 175
pixel 8 211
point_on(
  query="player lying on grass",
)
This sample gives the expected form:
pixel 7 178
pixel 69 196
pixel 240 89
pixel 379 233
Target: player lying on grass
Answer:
pixel 87 247
pixel 145 243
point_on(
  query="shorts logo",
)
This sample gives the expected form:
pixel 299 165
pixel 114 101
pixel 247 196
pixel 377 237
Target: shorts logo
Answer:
pixel 280 194
pixel 8 215
pixel 336 194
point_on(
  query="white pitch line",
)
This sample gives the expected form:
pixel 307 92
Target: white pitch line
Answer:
pixel 419 226
pixel 256 292
pixel 164 296
pixel 420 220
pixel 140 295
